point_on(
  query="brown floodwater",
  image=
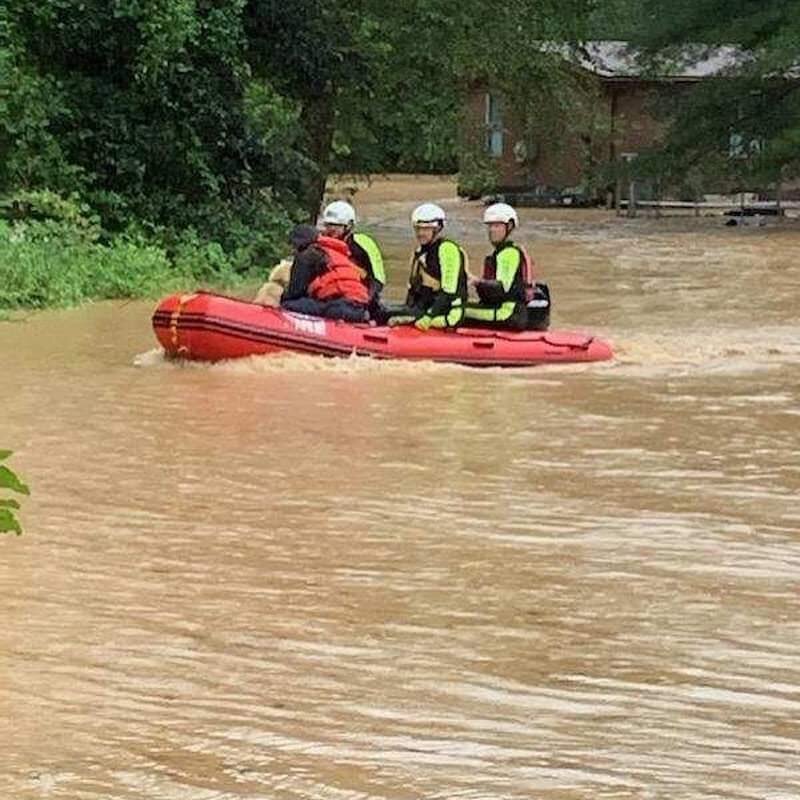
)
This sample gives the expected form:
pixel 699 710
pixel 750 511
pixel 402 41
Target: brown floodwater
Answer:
pixel 299 578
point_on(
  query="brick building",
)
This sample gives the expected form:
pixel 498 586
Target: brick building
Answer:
pixel 622 106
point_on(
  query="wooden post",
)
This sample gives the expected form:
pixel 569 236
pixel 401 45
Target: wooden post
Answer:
pixel 632 199
pixel 628 158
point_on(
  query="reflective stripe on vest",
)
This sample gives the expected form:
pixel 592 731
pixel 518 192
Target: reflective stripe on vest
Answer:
pixel 526 264
pixel 373 253
pixel 343 278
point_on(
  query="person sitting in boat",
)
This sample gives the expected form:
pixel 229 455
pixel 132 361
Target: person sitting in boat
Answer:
pixel 338 221
pixel 507 287
pixel 324 280
pixel 506 284
pixel 437 285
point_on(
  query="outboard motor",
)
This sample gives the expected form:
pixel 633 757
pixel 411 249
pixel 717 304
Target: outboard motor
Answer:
pixel 539 308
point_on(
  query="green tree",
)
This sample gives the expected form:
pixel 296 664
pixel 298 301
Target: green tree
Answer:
pixel 744 125
pixel 321 54
pixel 220 116
pixel 406 118
pixel 8 505
pixel 142 108
pixel 410 115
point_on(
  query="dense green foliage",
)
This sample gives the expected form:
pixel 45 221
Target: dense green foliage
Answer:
pixel 187 135
pixel 742 129
pixel 216 124
pixel 406 118
pixel 59 255
pixel 50 264
pixel 140 108
pixel 411 116
pixel 9 482
pixel 319 55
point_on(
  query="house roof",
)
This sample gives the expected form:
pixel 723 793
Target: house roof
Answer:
pixel 619 59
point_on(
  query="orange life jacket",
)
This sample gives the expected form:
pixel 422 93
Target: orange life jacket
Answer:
pixel 343 279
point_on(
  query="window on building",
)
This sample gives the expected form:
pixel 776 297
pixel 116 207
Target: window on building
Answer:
pixel 739 147
pixel 494 125
pixel 736 146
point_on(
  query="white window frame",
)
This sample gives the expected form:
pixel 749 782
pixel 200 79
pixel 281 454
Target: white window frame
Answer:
pixel 493 121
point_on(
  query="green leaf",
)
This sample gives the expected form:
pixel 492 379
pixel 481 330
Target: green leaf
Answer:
pixel 9 503
pixel 5 454
pixel 8 522
pixel 8 480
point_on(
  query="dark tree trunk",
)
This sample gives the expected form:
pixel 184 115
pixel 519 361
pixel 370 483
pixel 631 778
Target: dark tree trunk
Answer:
pixel 317 120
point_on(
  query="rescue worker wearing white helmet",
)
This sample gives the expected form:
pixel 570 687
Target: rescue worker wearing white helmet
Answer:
pixel 338 221
pixel 437 285
pixel 507 284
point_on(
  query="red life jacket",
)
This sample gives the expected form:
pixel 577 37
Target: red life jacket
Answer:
pixel 525 275
pixel 343 279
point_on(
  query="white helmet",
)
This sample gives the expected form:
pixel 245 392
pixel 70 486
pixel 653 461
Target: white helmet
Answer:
pixel 428 215
pixel 500 212
pixel 339 213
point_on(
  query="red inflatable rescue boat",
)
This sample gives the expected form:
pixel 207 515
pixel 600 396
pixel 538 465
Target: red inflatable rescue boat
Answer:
pixel 208 327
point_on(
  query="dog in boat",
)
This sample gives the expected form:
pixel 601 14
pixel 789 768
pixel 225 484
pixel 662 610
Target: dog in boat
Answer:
pixel 270 293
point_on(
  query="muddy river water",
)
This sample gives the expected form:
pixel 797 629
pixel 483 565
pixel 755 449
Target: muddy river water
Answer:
pixel 298 578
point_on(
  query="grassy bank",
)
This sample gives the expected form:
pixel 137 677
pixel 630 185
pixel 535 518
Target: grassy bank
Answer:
pixel 54 252
pixel 47 264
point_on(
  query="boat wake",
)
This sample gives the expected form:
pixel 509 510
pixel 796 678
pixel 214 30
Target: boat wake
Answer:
pixel 297 363
pixel 724 351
